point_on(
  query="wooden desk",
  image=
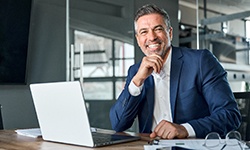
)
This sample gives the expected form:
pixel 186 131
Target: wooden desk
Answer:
pixel 9 140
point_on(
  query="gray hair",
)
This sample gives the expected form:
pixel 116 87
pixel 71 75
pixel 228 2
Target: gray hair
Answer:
pixel 152 9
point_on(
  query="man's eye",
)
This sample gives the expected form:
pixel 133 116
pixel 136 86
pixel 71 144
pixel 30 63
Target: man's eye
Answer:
pixel 159 29
pixel 143 32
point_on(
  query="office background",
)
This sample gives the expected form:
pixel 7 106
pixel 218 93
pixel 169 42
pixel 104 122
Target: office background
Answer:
pixel 53 28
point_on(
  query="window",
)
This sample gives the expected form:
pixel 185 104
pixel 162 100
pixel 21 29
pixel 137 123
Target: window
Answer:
pixel 248 30
pixel 105 65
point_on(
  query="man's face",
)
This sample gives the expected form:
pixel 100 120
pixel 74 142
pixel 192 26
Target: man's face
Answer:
pixel 152 34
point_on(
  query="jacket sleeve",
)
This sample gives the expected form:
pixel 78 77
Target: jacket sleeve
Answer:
pixel 125 109
pixel 224 113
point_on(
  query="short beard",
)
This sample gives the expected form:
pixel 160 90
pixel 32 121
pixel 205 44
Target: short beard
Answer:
pixel 164 52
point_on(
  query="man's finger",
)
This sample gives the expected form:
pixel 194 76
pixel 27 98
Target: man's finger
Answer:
pixel 152 135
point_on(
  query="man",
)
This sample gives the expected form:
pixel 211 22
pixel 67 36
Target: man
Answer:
pixel 175 92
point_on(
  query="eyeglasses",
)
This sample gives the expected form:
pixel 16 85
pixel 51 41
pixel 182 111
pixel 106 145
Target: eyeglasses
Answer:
pixel 233 139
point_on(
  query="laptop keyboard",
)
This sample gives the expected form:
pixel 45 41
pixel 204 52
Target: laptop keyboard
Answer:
pixel 101 138
pixel 106 139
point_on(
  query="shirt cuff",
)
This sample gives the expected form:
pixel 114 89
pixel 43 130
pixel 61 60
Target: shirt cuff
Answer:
pixel 189 129
pixel 134 90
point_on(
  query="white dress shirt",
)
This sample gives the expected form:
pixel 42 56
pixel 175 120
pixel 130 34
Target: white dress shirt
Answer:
pixel 162 108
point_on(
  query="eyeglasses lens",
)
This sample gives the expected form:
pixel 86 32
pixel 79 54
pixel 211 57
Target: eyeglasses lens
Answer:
pixel 212 140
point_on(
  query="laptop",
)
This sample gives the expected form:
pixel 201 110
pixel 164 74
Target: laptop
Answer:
pixel 62 116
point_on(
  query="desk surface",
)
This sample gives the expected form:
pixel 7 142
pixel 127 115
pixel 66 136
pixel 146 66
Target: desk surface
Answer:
pixel 10 140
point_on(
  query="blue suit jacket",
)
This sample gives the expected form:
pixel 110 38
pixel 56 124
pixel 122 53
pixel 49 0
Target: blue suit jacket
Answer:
pixel 199 95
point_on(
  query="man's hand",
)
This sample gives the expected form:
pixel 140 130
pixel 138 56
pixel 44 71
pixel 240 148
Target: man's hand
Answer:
pixel 148 65
pixel 168 130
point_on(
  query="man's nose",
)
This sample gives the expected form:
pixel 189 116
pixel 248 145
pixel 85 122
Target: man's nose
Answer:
pixel 152 36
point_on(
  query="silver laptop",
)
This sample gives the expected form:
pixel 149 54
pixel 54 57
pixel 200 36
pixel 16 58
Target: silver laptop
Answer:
pixel 63 117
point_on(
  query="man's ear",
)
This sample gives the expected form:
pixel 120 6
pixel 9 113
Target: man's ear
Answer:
pixel 137 39
pixel 171 33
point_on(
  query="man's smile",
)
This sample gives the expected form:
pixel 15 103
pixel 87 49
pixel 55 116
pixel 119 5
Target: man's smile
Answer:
pixel 154 45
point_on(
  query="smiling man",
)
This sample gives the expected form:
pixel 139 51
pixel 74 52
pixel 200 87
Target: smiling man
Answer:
pixel 174 92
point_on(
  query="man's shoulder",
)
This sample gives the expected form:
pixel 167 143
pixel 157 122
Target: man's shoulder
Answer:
pixel 191 52
pixel 134 68
pixel 136 65
pixel 186 49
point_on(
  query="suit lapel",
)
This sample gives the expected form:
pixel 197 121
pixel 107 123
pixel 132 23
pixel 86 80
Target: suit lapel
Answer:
pixel 176 65
pixel 150 100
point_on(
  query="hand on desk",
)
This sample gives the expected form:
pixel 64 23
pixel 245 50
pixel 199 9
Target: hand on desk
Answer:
pixel 168 130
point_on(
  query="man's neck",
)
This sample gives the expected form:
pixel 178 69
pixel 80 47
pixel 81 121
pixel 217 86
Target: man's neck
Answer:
pixel 167 53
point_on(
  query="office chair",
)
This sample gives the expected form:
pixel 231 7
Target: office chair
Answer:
pixel 1 119
pixel 243 100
